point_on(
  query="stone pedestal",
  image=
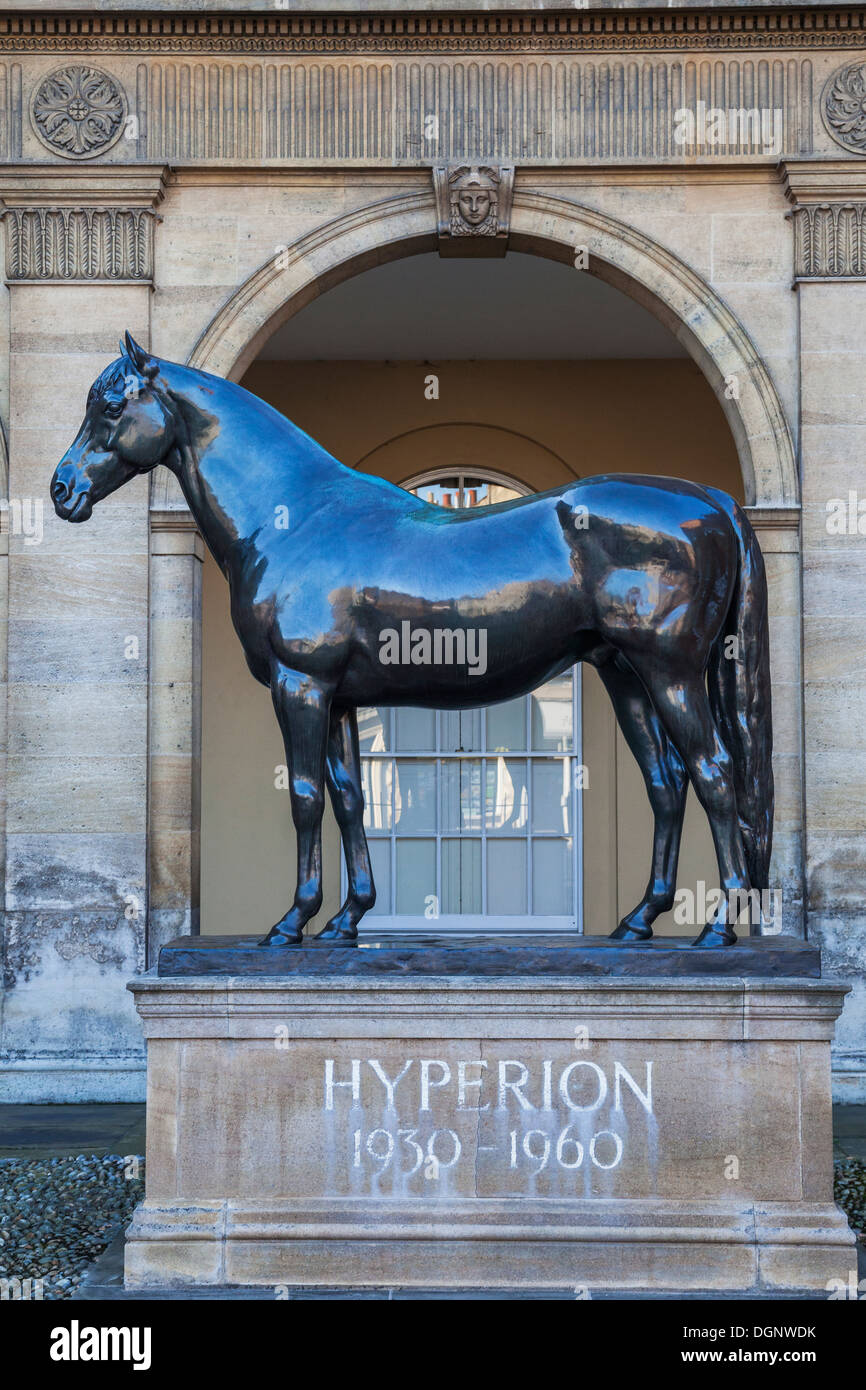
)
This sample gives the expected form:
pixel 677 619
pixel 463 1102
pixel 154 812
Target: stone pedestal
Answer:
pixel 616 1134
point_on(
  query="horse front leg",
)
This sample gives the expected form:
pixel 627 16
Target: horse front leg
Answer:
pixel 343 776
pixel 667 786
pixel 303 709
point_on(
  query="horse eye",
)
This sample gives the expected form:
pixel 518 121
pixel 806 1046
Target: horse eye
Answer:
pixel 113 409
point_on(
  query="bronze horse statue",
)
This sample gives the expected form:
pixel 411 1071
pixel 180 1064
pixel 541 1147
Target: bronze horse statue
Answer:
pixel 659 583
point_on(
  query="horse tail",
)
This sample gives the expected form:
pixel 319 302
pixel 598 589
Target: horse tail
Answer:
pixel 738 682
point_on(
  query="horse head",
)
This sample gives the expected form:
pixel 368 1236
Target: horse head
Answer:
pixel 128 429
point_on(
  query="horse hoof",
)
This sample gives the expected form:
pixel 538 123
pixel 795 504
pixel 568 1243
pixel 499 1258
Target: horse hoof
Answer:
pixel 625 932
pixel 333 936
pixel 712 937
pixel 279 938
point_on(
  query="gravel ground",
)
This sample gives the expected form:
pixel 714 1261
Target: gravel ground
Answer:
pixel 58 1214
pixel 850 1191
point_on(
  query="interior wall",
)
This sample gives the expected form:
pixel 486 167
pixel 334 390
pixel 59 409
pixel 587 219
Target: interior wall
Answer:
pixel 542 423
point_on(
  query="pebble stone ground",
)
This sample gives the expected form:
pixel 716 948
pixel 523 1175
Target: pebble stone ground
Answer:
pixel 58 1212
pixel 849 1145
pixel 70 1176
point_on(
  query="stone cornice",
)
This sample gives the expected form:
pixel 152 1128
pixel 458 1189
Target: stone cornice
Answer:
pixel 138 186
pixel 145 186
pixel 774 518
pixel 745 169
pixel 174 532
pixel 731 1007
pixel 821 180
pixel 64 32
pixel 778 528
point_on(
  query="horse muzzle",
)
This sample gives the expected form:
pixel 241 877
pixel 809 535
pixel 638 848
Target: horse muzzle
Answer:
pixel 69 504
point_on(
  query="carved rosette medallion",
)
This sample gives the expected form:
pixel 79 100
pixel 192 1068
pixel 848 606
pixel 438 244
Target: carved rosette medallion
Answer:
pixel 473 208
pixel 844 107
pixel 78 112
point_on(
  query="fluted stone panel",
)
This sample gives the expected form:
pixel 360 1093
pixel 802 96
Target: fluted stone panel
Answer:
pixel 413 112
pixel 10 111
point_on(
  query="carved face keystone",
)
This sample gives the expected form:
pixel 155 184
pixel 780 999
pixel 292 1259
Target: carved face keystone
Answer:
pixel 474 205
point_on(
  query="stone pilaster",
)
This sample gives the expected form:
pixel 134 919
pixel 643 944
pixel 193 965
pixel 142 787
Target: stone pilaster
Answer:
pixel 830 204
pixel 177 552
pixel 77 873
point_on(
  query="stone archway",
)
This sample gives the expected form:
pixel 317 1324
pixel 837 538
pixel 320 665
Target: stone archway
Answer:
pixel 542 225
pixel 710 332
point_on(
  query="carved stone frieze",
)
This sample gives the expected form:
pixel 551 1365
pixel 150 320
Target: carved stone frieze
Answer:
pixel 829 241
pixel 90 243
pixel 92 32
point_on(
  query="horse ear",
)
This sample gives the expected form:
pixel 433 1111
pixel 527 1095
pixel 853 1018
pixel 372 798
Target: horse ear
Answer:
pixel 141 360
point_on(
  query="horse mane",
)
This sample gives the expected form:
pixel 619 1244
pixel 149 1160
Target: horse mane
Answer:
pixel 225 391
pixel 202 424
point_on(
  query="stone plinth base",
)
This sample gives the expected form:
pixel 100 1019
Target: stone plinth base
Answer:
pixel 610 1134
pixel 414 953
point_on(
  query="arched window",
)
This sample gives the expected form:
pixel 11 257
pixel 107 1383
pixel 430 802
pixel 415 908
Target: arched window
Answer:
pixel 462 489
pixel 473 816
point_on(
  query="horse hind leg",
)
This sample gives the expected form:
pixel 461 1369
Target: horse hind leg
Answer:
pixel 343 777
pixel 683 706
pixel 667 786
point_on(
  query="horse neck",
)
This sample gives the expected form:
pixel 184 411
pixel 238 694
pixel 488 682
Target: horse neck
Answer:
pixel 238 458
